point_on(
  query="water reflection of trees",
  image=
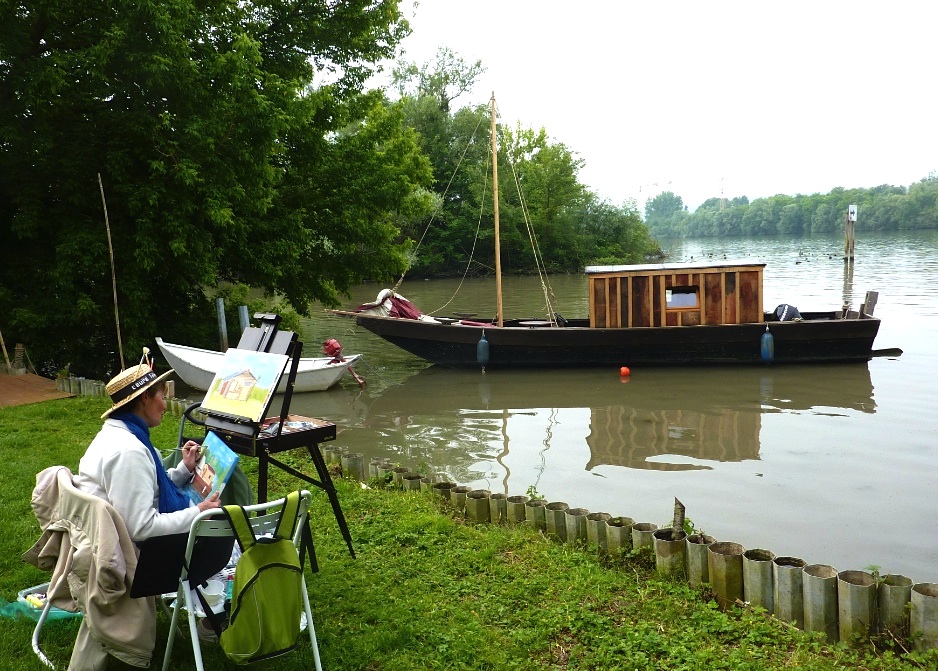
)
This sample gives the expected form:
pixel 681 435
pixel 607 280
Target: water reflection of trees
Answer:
pixel 457 422
pixel 447 444
pixel 630 437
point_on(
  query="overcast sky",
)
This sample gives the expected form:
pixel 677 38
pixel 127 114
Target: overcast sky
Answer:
pixel 747 98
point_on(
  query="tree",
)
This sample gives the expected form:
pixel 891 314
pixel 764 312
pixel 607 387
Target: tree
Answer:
pixel 664 214
pixel 540 194
pixel 607 234
pixel 883 208
pixel 443 81
pixel 223 154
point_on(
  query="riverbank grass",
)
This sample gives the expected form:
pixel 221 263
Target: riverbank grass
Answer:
pixel 429 590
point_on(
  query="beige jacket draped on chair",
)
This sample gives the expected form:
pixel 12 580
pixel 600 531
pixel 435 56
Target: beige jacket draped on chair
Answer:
pixel 84 534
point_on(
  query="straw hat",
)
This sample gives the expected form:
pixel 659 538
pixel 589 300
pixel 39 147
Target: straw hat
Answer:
pixel 131 382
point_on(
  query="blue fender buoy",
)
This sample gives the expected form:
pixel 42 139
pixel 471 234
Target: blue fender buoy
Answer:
pixel 768 346
pixel 482 350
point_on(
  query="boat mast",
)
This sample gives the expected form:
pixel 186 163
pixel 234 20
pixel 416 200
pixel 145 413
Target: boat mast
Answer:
pixel 498 252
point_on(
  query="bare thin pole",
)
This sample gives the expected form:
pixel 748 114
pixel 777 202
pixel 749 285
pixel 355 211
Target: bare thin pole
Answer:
pixel 5 355
pixel 110 248
pixel 498 251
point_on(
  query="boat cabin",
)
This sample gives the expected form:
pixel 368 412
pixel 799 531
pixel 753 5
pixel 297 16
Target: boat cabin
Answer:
pixel 675 294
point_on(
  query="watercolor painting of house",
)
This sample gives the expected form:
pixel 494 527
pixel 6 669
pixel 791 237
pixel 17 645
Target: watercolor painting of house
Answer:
pixel 237 387
pixel 244 384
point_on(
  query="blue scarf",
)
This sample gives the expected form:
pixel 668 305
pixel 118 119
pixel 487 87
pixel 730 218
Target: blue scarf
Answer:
pixel 171 498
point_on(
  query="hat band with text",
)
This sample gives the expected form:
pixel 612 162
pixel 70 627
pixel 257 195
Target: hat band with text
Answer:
pixel 136 385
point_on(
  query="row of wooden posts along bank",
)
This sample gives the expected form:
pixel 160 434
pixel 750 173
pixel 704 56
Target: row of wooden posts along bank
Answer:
pixel 81 386
pixel 848 606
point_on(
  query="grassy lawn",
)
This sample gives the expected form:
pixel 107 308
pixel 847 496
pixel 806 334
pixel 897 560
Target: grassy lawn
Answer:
pixel 430 591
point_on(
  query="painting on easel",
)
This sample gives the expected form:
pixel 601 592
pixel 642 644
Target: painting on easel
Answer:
pixel 244 384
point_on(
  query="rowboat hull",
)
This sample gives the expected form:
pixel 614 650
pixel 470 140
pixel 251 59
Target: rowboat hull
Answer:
pixel 818 337
pixel 196 367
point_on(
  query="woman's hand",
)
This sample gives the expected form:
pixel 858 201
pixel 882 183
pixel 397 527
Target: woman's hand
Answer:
pixel 209 503
pixel 190 454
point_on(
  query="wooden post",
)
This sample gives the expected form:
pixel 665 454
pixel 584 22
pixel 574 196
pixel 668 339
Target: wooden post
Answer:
pixel 849 240
pixel 6 356
pixel 222 324
pixel 19 367
pixel 677 524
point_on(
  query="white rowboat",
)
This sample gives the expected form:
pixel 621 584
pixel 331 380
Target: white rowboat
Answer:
pixel 196 367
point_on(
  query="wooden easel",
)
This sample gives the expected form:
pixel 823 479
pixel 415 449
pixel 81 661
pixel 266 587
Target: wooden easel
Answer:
pixel 261 440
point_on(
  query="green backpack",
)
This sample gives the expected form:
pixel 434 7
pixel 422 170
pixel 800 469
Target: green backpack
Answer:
pixel 266 601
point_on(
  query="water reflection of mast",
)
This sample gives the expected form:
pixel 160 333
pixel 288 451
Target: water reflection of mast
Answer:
pixel 549 433
pixel 504 452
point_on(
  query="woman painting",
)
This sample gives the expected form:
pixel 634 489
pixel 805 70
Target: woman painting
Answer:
pixel 122 466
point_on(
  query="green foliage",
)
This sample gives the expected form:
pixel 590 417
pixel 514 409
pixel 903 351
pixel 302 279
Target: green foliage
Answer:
pixel 570 226
pixel 223 156
pixel 427 591
pixel 236 295
pixel 533 494
pixel 690 529
pixel 666 212
pixel 881 208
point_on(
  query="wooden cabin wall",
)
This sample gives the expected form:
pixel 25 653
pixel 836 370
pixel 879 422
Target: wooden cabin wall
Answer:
pixel 625 300
pixel 598 316
pixel 658 302
pixel 612 302
pixel 641 307
pixel 750 288
pixel 713 297
pixel 634 299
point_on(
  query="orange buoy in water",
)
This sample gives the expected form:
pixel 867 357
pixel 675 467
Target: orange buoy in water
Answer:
pixel 624 371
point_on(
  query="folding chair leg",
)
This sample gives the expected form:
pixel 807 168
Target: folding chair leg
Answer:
pixel 193 629
pixel 184 596
pixel 173 624
pixel 176 628
pixel 66 569
pixel 164 608
pixel 312 629
pixel 42 618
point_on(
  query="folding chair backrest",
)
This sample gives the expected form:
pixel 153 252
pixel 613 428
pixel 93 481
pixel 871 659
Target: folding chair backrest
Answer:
pixel 162 559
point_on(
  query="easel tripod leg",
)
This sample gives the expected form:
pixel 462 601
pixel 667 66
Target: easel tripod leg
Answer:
pixel 326 482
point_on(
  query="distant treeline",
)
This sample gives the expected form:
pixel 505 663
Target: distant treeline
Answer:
pixel 881 208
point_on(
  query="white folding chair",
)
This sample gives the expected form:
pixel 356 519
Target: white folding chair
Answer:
pixel 211 523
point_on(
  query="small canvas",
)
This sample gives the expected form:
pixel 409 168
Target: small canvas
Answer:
pixel 244 383
pixel 214 468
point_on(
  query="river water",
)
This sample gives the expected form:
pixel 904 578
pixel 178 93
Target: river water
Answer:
pixel 834 464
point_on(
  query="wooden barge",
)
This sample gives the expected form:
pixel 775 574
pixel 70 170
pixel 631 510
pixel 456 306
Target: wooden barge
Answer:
pixel 645 314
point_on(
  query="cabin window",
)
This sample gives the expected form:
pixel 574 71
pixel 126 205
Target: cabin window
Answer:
pixel 681 298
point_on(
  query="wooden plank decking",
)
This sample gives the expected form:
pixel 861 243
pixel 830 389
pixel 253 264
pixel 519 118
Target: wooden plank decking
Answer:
pixel 28 388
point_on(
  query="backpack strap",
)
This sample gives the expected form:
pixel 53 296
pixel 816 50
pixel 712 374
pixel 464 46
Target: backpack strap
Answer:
pixel 289 515
pixel 286 528
pixel 241 526
pixel 216 620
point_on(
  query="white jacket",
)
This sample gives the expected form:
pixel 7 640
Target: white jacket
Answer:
pixel 119 469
